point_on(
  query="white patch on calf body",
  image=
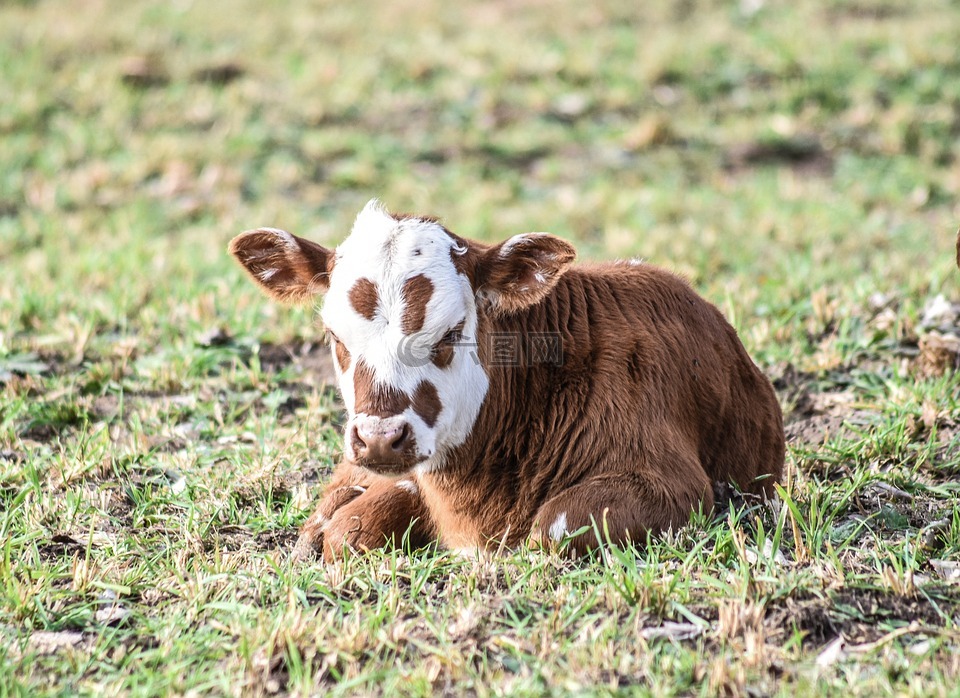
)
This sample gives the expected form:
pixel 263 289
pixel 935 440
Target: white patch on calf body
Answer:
pixel 408 485
pixel 558 529
pixel 388 252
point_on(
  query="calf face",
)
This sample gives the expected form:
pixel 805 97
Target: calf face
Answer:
pixel 403 302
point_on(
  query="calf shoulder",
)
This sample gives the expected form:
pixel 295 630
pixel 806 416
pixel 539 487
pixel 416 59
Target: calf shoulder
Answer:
pixel 648 369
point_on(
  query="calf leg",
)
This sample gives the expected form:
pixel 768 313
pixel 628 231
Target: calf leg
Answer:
pixel 622 507
pixel 348 484
pixel 381 516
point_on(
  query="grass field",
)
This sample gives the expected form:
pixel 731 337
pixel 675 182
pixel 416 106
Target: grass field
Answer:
pixel 164 429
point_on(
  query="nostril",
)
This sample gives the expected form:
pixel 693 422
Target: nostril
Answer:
pixel 400 442
pixel 359 445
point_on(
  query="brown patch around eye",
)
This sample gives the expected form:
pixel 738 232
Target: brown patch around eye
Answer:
pixel 444 350
pixel 343 356
pixel 364 298
pixel 442 356
pixel 426 403
pixel 373 399
pixel 417 291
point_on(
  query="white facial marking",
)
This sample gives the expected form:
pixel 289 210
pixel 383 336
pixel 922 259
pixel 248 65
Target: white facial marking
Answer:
pixel 558 529
pixel 388 252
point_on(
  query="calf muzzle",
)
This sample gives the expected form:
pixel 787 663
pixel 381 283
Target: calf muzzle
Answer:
pixel 385 445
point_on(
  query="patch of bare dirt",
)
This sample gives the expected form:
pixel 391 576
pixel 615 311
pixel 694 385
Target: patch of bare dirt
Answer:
pixel 938 338
pixel 60 546
pixel 227 538
pixel 144 71
pixel 120 508
pixel 218 73
pixel 814 430
pixel 105 407
pixel 945 465
pixel 803 153
pixel 938 353
pixel 11 456
pixel 312 357
pixel 813 415
pixel 895 508
pixel 860 615
pixel 276 539
pixel 860 612
pixel 54 642
pixel 865 10
pixel 278 489
pixel 810 616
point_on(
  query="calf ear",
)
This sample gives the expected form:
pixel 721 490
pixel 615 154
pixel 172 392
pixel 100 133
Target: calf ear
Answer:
pixel 521 271
pixel 287 267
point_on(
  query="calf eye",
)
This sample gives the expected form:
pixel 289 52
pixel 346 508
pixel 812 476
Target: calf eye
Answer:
pixel 332 338
pixel 452 337
pixel 443 351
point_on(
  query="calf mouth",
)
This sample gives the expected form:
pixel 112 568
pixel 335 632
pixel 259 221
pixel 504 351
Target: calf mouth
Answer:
pixel 400 465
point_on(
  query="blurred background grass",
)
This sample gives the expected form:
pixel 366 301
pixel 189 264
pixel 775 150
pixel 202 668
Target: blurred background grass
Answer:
pixel 766 150
pixel 164 428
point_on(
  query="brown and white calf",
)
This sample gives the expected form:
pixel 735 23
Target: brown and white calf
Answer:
pixel 467 426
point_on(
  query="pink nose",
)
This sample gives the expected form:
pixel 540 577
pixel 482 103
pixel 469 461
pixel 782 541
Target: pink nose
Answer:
pixel 380 442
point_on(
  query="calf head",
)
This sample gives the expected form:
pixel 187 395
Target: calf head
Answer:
pixel 403 301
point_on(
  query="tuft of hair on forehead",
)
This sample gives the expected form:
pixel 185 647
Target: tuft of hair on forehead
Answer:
pixel 382 238
pixel 375 214
pixel 374 227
